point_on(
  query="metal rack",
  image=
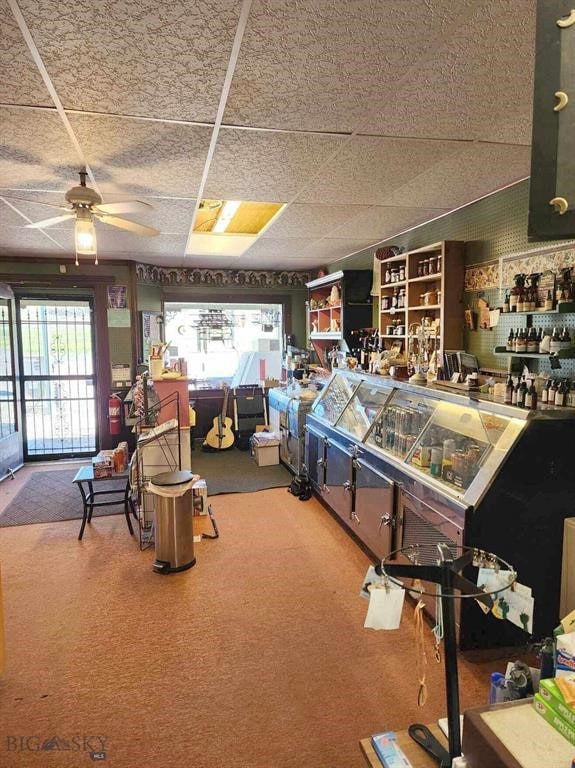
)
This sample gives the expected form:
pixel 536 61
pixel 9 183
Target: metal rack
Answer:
pixel 447 574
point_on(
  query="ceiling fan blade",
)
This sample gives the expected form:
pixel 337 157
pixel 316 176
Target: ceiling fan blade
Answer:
pixel 126 206
pixel 35 202
pixel 131 226
pixel 50 222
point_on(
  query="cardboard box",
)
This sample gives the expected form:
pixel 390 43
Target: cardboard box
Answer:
pixel 543 707
pixel 265 449
pixel 102 466
pixel 550 691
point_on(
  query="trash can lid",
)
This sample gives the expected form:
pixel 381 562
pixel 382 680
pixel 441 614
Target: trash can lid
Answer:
pixel 172 478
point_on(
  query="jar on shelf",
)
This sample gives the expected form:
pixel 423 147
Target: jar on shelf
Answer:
pixel 438 263
pixel 432 265
pixel 430 297
pixel 385 302
pixel 387 275
pixel 420 269
pixel 402 272
pixel 422 301
pixel 394 275
pixel 425 266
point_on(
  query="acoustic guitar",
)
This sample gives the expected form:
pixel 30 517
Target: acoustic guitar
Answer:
pixel 221 435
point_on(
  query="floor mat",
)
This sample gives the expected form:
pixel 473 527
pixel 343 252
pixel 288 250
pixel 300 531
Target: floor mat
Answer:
pixel 235 471
pixel 51 496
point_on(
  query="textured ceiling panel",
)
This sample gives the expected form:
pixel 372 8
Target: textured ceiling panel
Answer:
pixel 300 220
pixel 19 241
pixel 258 165
pixel 368 168
pixel 317 65
pixel 143 157
pixel 478 84
pixel 114 242
pixel 331 248
pixel 383 221
pixel 35 150
pixel 284 248
pixel 477 170
pixel 146 58
pixel 20 82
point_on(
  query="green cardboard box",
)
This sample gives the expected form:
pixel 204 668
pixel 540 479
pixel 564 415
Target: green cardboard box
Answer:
pixel 549 691
pixel 556 721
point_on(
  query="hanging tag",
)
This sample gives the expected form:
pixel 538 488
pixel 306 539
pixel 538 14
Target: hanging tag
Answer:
pixel 385 606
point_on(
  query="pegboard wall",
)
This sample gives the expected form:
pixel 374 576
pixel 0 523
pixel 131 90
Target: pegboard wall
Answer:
pixel 492 228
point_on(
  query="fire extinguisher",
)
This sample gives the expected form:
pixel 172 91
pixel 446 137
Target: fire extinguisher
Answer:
pixel 115 414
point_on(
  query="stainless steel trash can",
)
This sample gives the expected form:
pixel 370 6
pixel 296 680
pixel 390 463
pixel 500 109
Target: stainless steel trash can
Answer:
pixel 174 531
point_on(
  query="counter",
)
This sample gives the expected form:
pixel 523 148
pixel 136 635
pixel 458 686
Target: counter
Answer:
pixel 402 464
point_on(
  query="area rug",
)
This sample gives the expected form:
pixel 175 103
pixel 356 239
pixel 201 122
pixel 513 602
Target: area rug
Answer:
pixel 50 497
pixel 235 471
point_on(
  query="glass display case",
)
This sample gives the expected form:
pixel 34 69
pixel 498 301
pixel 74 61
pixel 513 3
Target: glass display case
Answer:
pixel 365 404
pixel 335 397
pixel 454 443
pixel 400 422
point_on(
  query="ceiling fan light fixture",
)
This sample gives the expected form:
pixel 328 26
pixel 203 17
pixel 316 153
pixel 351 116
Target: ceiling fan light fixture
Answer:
pixel 85 233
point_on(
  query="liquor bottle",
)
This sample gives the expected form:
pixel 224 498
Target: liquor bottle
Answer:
pixel 509 390
pixel 561 394
pixel 532 345
pixel 513 298
pixel 552 392
pixel 520 299
pixel 539 339
pixel 387 277
pixel 565 339
pixel 545 391
pixel 531 396
pixel 506 302
pixel 521 342
pixel 548 306
pixel 555 344
pixel 515 393
pixel 522 394
pixel 510 346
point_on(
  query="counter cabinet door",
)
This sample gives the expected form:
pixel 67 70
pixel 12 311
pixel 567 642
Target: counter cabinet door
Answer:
pixel 338 492
pixel 373 516
pixel 315 445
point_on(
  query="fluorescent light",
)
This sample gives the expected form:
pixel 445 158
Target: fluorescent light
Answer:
pixel 85 234
pixel 227 214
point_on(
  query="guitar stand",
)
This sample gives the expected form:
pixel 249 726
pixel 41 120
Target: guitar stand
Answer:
pixel 447 574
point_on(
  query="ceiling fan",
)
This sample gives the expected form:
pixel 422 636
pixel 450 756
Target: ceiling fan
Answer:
pixel 85 205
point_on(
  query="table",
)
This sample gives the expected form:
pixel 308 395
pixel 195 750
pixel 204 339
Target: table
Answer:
pixel 415 754
pixel 85 477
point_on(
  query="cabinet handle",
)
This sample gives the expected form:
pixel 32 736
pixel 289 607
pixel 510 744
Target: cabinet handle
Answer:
pixel 355 518
pixel 320 462
pixel 347 486
pixel 325 488
pixel 386 520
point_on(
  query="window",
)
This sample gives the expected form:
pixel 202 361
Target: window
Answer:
pixel 7 393
pixel 235 343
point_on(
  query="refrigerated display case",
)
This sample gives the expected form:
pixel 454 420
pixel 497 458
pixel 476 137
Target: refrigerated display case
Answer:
pixel 288 408
pixel 448 467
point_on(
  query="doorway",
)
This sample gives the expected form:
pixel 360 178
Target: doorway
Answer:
pixel 58 382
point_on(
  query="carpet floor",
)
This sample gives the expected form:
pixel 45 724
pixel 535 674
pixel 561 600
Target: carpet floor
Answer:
pixel 235 471
pixel 51 496
pixel 255 658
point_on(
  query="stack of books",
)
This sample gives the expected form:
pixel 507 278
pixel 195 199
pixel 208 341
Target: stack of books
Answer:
pixel 556 703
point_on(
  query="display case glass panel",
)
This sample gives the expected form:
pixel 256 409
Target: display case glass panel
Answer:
pixel 455 442
pixel 335 397
pixel 365 404
pixel 401 421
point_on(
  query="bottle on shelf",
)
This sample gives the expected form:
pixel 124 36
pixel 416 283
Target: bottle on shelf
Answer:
pixel 531 396
pixel 509 390
pixel 565 339
pixel 532 344
pixel 395 298
pixel 555 344
pixel 561 393
pixel 539 339
pixel 521 342
pixel 552 391
pixel 548 305
pixel 387 276
pixel 506 302
pixel 522 393
pixel 545 392
pixel 402 272
pixel 510 346
pixel 515 393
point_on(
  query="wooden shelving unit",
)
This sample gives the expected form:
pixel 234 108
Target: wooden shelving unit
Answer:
pixel 331 323
pixel 447 309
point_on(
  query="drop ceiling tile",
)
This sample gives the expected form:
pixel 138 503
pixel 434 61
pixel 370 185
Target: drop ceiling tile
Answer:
pixel 332 248
pixel 316 65
pixel 307 220
pixel 368 168
pixel 477 170
pixel 380 221
pixel 113 241
pixel 476 84
pixel 283 248
pixel 21 82
pixel 264 166
pixel 140 157
pixel 35 150
pixel 146 58
pixel 17 241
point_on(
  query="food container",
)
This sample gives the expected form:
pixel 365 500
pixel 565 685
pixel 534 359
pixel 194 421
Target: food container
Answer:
pixel 430 298
pixel 422 298
pixel 385 302
pixel 436 460
pixel 389 330
pixel 400 330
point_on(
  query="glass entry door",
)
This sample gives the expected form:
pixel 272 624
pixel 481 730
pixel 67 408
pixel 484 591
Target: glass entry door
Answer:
pixel 56 348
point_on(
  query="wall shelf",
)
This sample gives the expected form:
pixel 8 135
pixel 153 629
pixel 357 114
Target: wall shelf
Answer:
pixel 423 307
pixel 396 284
pixel 564 308
pixel 563 354
pixel 426 278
